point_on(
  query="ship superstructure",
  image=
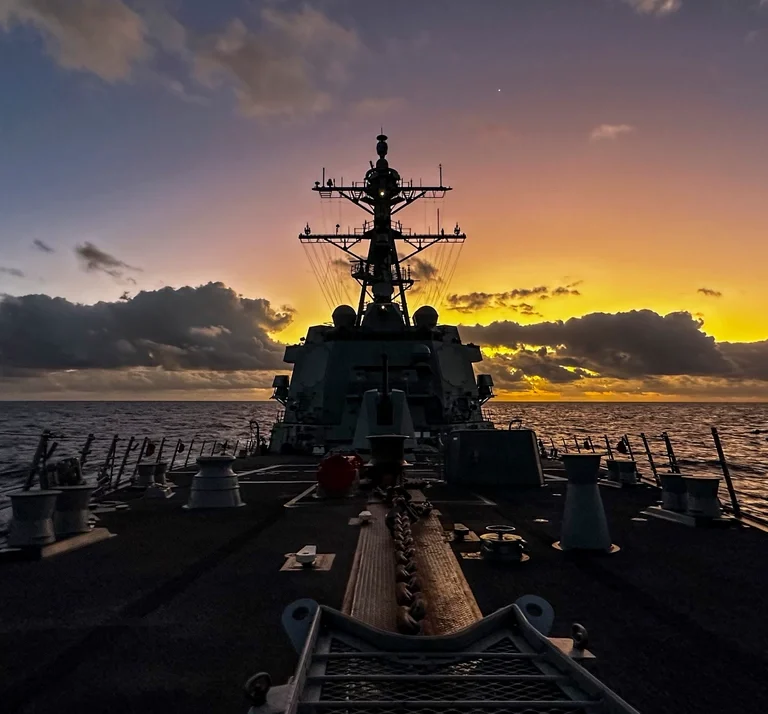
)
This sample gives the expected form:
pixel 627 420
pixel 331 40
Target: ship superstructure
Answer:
pixel 335 365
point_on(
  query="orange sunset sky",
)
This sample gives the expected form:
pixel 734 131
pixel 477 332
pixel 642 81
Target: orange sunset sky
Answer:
pixel 615 149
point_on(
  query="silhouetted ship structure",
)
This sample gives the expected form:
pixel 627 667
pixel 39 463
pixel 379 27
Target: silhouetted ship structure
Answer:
pixel 338 370
pixel 388 551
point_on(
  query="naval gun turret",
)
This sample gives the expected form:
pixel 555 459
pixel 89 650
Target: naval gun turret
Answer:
pixel 336 365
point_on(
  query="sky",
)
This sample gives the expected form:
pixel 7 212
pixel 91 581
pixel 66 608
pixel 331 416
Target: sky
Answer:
pixel 609 160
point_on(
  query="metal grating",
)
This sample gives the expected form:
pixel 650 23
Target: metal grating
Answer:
pixel 340 647
pixel 499 664
pixel 444 689
pixel 503 645
pixel 396 709
pixel 462 665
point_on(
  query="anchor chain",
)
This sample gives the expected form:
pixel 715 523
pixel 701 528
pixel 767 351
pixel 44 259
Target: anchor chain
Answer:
pixel 412 605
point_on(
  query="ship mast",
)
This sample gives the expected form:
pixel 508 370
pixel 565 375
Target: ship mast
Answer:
pixel 382 275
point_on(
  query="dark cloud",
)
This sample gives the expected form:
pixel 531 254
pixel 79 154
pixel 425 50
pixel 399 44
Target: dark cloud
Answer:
pixel 533 363
pixel 709 292
pixel 628 345
pixel 205 328
pixel 471 302
pixel 422 269
pixel 94 259
pixel 15 272
pixel 42 246
pixel 524 308
pixel 567 290
pixel 750 358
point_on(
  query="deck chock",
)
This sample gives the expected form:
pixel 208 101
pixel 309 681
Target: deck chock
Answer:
pixel 362 518
pixel 307 555
pixel 66 545
pixel 461 534
pixel 500 663
pixel 308 559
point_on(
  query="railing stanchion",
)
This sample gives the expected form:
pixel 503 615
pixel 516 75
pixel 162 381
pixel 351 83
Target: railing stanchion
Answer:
pixel 673 467
pixel 140 457
pixel 629 447
pixel 726 473
pixel 650 458
pixel 124 462
pixel 175 454
pixel 160 450
pixel 189 451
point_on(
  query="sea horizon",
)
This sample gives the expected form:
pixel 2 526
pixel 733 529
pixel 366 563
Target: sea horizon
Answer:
pixel 494 401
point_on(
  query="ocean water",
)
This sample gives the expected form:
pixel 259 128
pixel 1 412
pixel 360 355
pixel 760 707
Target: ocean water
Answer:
pixel 743 430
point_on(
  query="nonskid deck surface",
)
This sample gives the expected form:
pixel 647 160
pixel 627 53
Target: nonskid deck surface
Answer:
pixel 180 608
pixel 674 618
pixel 172 614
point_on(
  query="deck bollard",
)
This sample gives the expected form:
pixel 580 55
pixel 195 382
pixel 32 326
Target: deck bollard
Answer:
pixel 215 485
pixel 145 475
pixel 702 496
pixel 32 520
pixel 584 524
pixel 673 492
pixel 627 472
pixel 613 470
pixel 159 488
pixel 71 514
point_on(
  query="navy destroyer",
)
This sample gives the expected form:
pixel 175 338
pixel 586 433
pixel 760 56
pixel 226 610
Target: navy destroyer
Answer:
pixel 428 367
pixel 328 573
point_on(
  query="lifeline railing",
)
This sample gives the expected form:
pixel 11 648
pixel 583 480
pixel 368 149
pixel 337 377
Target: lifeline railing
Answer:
pixel 660 454
pixel 117 458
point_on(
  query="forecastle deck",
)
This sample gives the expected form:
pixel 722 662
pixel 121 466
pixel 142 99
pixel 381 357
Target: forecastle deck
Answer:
pixel 177 610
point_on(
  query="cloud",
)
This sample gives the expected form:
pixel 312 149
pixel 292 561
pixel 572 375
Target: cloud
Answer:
pixel 373 107
pixel 472 302
pixel 154 383
pixel 286 68
pixel 422 269
pixel 15 272
pixel 627 345
pixel 655 7
pixel 489 130
pixel 205 328
pixel 96 260
pixel 42 246
pixel 709 292
pixel 105 37
pixel 610 131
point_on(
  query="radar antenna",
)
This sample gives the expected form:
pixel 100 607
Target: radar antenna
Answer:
pixel 381 274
